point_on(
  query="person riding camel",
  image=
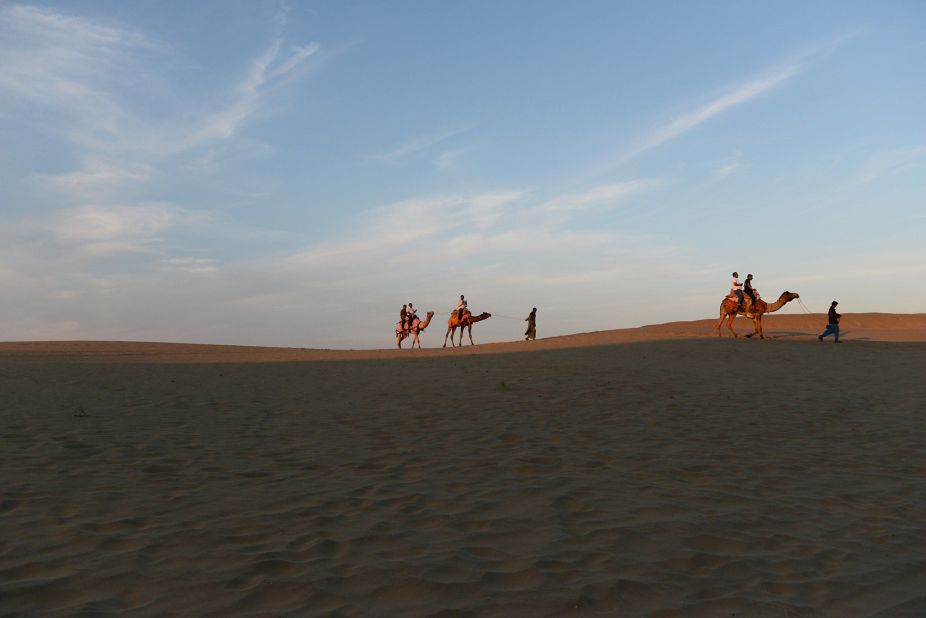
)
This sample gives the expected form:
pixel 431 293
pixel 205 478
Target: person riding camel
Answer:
pixel 403 315
pixel 737 289
pixel 411 316
pixel 749 290
pixel 461 307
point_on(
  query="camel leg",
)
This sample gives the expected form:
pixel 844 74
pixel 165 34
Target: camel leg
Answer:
pixel 398 341
pixel 445 337
pixel 759 327
pixel 730 325
pixel 470 332
pixel 723 316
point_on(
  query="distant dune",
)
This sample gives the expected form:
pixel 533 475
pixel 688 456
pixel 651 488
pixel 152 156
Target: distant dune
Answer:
pixel 657 471
pixel 855 327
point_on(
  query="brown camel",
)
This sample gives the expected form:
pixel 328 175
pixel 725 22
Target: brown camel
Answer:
pixel 466 322
pixel 728 310
pixel 417 327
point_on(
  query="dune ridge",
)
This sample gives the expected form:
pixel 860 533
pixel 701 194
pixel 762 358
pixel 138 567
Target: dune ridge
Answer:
pixel 855 327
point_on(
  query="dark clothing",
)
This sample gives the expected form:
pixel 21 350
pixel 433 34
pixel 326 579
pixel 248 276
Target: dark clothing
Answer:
pixel 531 320
pixel 739 295
pixel 751 293
pixel 832 328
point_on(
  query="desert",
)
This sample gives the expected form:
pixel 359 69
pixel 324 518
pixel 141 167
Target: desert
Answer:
pixel 659 471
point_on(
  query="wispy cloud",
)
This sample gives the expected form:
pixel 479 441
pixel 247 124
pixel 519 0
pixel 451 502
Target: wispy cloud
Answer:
pixel 266 69
pixel 449 158
pixel 731 98
pixel 417 145
pixel 79 70
pixel 68 65
pixel 98 231
pixel 689 120
pixel 80 82
pixel 99 180
pixel 726 168
pixel 192 265
pixel 600 195
pixel 893 161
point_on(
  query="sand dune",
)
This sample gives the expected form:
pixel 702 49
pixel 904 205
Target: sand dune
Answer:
pixel 667 475
pixel 855 327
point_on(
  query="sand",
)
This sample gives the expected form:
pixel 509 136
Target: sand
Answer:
pixel 655 471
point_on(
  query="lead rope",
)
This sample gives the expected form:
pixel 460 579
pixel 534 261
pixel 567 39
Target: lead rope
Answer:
pixel 804 307
pixel 507 317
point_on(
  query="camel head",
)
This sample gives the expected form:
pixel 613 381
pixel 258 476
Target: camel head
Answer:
pixel 789 296
pixel 481 316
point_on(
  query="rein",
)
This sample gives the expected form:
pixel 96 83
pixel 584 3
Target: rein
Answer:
pixel 804 307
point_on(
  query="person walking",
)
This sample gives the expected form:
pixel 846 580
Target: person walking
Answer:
pixel 531 320
pixel 832 328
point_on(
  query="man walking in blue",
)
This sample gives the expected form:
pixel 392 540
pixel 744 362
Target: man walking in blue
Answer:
pixel 833 327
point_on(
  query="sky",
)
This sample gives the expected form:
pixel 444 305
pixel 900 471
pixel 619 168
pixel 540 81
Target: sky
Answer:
pixel 290 174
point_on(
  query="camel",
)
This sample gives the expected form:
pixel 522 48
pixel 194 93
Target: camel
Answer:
pixel 466 322
pixel 728 310
pixel 417 327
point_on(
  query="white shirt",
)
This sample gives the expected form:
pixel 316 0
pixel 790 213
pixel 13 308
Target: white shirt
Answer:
pixel 461 304
pixel 736 284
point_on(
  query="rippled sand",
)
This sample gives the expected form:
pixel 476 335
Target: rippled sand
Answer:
pixel 662 478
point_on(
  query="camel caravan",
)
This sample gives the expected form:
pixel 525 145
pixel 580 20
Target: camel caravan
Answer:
pixel 410 325
pixel 743 299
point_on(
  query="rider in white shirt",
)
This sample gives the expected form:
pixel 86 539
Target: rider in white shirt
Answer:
pixel 737 288
pixel 460 307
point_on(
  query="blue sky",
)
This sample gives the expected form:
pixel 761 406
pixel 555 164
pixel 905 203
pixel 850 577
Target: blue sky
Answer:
pixel 291 174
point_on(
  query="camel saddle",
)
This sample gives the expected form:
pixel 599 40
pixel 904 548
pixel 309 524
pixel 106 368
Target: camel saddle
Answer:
pixel 731 299
pixel 400 326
